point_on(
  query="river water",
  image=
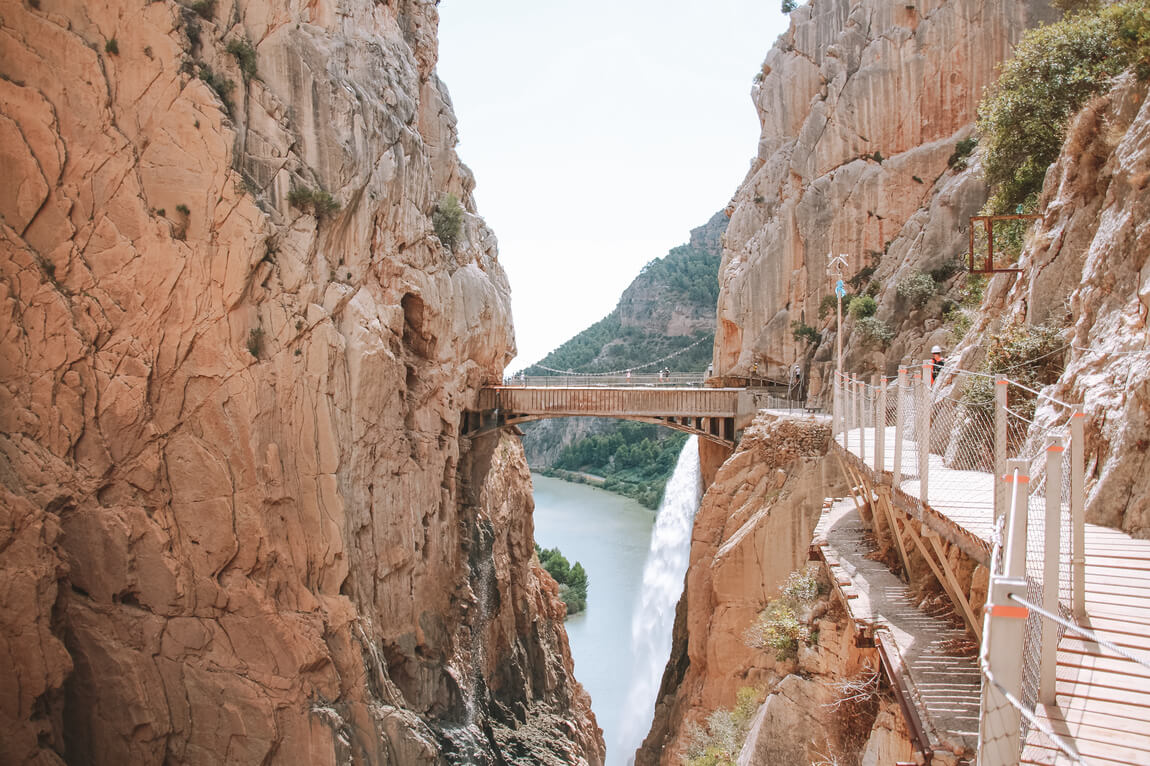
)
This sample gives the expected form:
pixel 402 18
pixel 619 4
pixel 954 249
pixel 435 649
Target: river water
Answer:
pixel 618 643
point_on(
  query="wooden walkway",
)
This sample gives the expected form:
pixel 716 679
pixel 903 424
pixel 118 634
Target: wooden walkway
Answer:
pixel 1103 701
pixel 944 688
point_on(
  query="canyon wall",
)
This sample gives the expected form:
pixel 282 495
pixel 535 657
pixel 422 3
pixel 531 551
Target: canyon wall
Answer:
pixel 861 104
pixel 753 528
pixel 1085 268
pixel 238 520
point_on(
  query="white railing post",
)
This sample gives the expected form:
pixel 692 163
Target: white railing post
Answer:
pixel 899 427
pixel 922 429
pixel 862 420
pixel 1001 385
pixel 1053 550
pixel 880 427
pixel 857 406
pixel 1003 634
pixel 1077 511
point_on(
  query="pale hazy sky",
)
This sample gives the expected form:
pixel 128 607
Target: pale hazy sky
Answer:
pixel 600 133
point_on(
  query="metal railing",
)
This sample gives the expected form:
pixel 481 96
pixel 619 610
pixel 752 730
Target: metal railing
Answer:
pixel 978 427
pixel 689 379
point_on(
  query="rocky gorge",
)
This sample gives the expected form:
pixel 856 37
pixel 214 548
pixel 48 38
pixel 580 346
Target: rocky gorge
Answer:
pixel 868 148
pixel 239 522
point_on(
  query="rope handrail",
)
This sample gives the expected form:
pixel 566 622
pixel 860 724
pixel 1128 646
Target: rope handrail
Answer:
pixel 1084 632
pixel 643 366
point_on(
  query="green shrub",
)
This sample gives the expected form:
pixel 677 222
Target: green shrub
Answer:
pixel 804 332
pixel 801 586
pixel 183 209
pixel 877 157
pixel 255 341
pixel 719 744
pixel 874 330
pixel 962 150
pixel 112 47
pixel 572 579
pixel 221 85
pixel 205 9
pixel 789 5
pixel 1055 70
pixel 863 306
pixel 245 56
pixel 447 220
pixel 947 270
pixel 320 202
pixel 916 288
pixel 958 321
pixel 828 305
pixel 971 291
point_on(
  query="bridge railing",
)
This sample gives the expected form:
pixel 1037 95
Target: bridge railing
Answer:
pixel 690 379
pixel 949 438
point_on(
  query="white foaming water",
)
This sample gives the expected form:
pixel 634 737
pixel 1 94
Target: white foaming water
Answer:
pixel 652 624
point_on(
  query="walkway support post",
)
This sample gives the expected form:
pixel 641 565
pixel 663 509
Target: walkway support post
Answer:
pixel 1003 634
pixel 880 426
pixel 899 426
pixel 1077 512
pixel 1000 414
pixel 1048 659
pixel 922 429
pixel 860 385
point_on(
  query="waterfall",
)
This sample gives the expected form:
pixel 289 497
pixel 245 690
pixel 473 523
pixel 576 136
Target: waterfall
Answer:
pixel 663 575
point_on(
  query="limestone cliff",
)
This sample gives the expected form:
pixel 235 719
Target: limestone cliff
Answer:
pixel 238 521
pixel 861 104
pixel 753 528
pixel 1086 266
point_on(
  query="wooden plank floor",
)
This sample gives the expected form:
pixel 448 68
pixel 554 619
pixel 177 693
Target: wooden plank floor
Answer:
pixel 1102 700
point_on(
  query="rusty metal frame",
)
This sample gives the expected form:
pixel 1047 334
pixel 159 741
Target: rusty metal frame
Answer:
pixel 987 222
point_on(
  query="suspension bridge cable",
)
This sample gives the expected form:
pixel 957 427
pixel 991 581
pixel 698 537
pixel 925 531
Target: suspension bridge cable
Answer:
pixel 672 355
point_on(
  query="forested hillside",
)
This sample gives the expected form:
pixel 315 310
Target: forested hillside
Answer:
pixel 665 318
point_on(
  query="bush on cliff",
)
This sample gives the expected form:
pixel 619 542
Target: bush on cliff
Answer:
pixel 448 221
pixel 572 579
pixel 1056 69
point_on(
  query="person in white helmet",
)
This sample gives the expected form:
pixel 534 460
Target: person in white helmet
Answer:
pixel 936 362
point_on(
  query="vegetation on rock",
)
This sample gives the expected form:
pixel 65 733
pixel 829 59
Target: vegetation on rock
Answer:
pixel 916 288
pixel 245 56
pixel 1055 70
pixel 572 578
pixel 722 739
pixel 320 202
pixel 447 220
pixel 779 626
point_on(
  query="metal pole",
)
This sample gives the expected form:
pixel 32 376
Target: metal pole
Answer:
pixel 880 428
pixel 862 419
pixel 1077 511
pixel 1053 543
pixel 1004 631
pixel 1001 386
pixel 922 430
pixel 899 426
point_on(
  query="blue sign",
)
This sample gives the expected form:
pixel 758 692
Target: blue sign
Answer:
pixel 840 289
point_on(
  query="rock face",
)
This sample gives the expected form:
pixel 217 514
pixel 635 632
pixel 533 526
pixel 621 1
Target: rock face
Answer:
pixel 238 522
pixel 753 528
pixel 1085 266
pixel 861 104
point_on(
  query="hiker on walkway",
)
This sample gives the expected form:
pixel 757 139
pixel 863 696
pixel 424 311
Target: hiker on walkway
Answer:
pixel 936 362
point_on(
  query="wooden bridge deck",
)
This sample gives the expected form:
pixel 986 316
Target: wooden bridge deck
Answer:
pixel 1102 700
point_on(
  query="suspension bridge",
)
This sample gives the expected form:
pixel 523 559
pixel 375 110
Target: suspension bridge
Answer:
pixel 1059 609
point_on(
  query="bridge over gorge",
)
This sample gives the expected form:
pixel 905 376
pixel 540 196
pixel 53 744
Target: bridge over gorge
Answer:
pixel 717 409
